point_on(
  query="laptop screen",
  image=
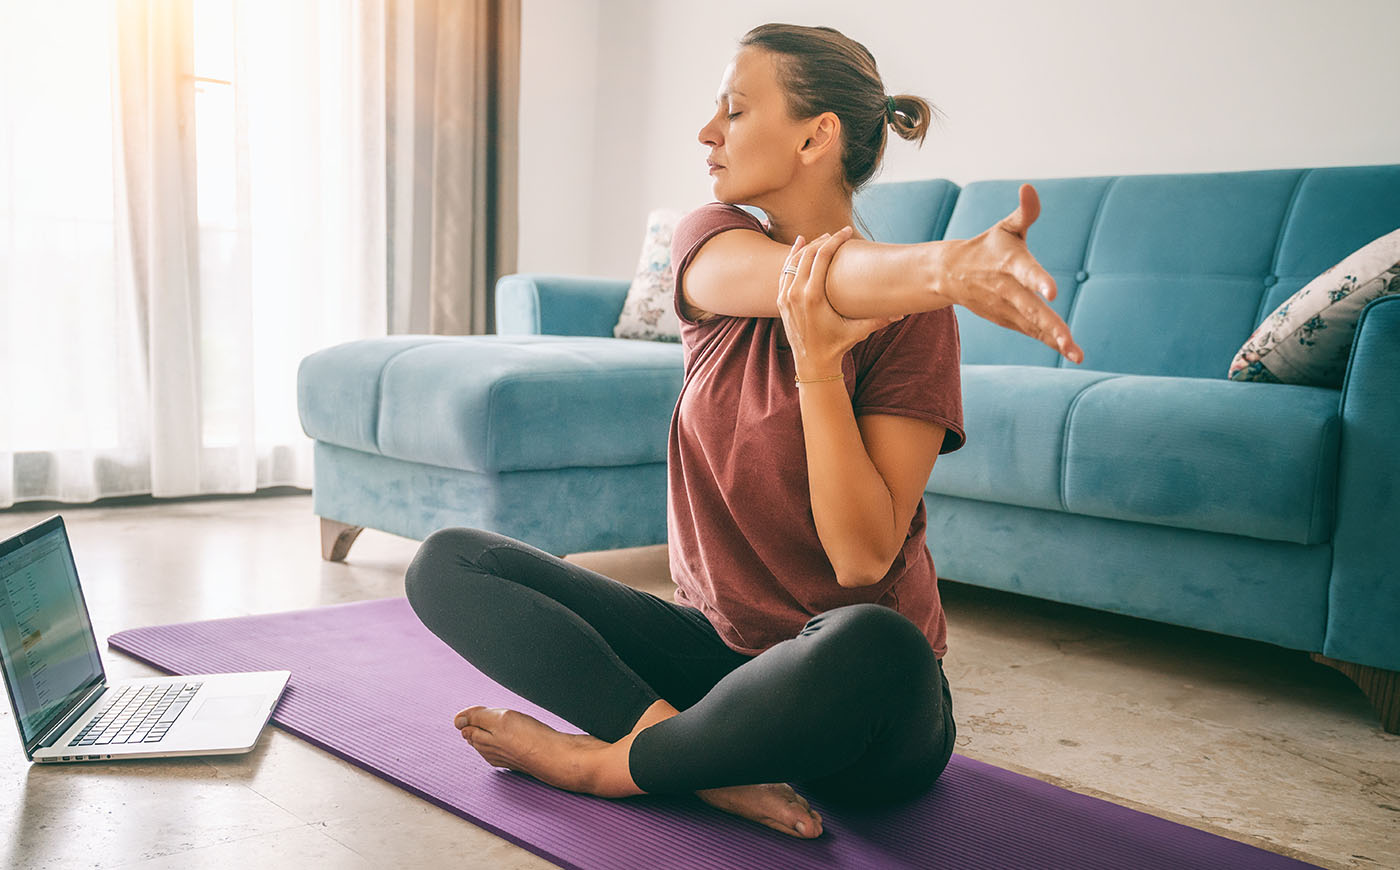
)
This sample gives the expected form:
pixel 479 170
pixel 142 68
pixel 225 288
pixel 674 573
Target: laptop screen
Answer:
pixel 49 651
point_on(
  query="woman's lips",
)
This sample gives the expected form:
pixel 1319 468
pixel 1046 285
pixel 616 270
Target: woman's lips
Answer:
pixel 714 168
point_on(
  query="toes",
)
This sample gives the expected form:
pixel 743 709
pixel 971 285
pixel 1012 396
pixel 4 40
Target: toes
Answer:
pixel 793 820
pixel 811 822
pixel 464 718
pixel 812 819
pixel 809 828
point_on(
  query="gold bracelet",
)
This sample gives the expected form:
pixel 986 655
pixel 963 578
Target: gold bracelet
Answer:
pixel 839 377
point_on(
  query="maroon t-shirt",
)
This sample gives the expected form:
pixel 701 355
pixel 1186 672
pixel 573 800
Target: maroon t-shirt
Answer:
pixel 742 539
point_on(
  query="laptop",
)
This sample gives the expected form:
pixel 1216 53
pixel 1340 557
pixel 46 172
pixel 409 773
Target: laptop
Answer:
pixel 64 707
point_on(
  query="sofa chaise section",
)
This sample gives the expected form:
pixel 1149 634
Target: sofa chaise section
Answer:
pixel 559 441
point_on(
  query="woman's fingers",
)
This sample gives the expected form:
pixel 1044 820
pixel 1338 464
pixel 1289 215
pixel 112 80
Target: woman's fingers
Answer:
pixel 792 269
pixel 793 253
pixel 810 261
pixel 1045 324
pixel 1040 281
pixel 1027 303
pixel 1002 313
pixel 1035 316
pixel 1027 210
pixel 1034 288
pixel 1042 322
pixel 825 252
pixel 804 262
pixel 789 267
pixel 1010 304
pixel 821 250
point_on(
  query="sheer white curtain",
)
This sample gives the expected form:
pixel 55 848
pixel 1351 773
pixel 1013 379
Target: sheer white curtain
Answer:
pixel 192 198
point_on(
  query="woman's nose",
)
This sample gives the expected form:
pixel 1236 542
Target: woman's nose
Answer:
pixel 709 135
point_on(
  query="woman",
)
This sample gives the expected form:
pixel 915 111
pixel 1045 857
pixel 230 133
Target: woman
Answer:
pixel 821 383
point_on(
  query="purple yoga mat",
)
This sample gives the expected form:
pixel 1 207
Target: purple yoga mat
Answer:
pixel 377 659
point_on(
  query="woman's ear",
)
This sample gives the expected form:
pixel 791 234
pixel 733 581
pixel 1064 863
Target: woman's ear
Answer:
pixel 822 136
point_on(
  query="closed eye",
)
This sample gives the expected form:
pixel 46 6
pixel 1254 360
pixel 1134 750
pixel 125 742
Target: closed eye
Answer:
pixel 735 115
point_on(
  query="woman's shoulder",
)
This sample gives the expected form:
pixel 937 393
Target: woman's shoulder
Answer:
pixel 707 219
pixel 696 227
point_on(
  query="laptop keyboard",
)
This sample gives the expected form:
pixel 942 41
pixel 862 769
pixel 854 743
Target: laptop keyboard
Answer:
pixel 137 715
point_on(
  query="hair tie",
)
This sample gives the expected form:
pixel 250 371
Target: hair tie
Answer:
pixel 889 110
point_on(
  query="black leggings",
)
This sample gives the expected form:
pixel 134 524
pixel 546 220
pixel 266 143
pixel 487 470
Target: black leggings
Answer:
pixel 854 708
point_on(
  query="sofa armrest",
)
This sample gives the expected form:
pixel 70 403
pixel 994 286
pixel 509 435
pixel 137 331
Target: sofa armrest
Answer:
pixel 1364 596
pixel 528 304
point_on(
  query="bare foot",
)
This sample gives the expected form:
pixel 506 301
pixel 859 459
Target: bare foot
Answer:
pixel 773 804
pixel 575 762
pixel 515 740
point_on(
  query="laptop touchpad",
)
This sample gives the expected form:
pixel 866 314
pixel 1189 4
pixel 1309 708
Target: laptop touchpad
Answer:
pixel 231 707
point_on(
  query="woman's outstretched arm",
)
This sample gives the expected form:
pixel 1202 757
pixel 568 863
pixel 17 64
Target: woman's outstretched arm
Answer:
pixel 734 273
pixel 993 275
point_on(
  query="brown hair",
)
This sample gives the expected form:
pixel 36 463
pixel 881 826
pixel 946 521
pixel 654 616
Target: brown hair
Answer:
pixel 823 70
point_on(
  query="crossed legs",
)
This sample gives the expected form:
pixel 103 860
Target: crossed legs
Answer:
pixel 855 707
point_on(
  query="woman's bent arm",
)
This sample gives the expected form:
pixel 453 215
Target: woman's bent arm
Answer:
pixel 866 479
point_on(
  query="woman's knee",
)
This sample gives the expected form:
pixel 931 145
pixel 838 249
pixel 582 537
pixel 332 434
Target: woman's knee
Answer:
pixel 877 639
pixel 439 555
pixel 868 625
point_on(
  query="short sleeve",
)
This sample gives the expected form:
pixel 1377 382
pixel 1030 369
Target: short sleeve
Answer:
pixel 693 231
pixel 912 368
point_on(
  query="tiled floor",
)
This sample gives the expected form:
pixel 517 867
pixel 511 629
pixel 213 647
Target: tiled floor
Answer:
pixel 1244 739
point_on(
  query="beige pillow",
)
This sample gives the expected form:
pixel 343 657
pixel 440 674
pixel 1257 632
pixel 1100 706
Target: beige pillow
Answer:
pixel 647 312
pixel 1308 338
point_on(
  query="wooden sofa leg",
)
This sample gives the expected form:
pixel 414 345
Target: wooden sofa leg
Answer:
pixel 336 538
pixel 1381 687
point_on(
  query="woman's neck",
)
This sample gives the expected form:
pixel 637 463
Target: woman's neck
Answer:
pixel 806 217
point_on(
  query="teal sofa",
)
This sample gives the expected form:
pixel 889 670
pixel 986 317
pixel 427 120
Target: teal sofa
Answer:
pixel 1142 482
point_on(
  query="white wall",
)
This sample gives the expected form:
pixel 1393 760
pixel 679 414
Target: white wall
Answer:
pixel 615 92
pixel 559 95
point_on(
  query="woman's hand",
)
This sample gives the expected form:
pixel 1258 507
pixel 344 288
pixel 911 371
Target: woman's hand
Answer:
pixel 995 277
pixel 818 334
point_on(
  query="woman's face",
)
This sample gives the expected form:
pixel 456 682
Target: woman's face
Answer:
pixel 751 139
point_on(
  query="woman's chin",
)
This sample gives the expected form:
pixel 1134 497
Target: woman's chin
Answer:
pixel 722 192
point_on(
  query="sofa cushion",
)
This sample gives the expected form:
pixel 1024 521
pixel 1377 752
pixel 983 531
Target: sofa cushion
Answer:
pixel 1015 420
pixel 338 389
pixel 489 403
pixel 1246 459
pixel 1215 455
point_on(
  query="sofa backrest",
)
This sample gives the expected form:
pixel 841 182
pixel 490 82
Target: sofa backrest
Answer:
pixel 1156 274
pixel 906 212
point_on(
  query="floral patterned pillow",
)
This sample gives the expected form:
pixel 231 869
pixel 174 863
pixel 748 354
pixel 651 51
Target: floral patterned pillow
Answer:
pixel 648 313
pixel 1308 338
